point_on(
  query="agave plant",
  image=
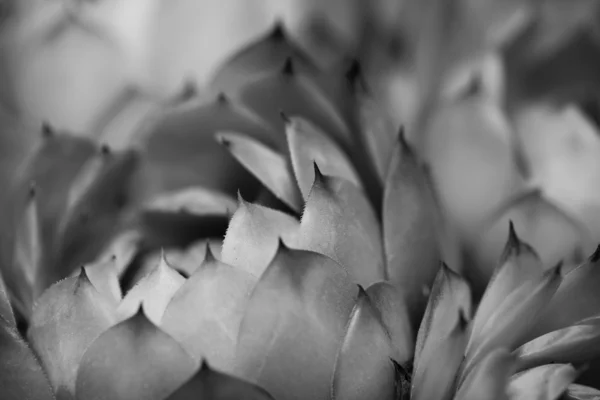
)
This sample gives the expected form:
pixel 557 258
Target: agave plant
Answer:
pixel 317 296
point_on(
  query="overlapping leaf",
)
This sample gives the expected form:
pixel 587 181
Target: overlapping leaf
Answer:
pixel 151 364
pixel 205 314
pixel 294 325
pixel 66 320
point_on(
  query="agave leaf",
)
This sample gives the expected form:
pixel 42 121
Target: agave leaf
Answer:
pixel 574 344
pixel 435 378
pixel 104 275
pixel 29 253
pixel 390 303
pixel 252 236
pixel 21 375
pixel 519 264
pixel 489 379
pixel 577 298
pixel 309 145
pixel 288 91
pixel 67 318
pixel 94 214
pixel 555 233
pixel 547 382
pixel 188 260
pixel 363 369
pixel 409 225
pixel 181 217
pixel 6 311
pixel 513 319
pixel 151 364
pixel 378 134
pixel 338 221
pixel 267 54
pixel 208 383
pixel 206 312
pixel 294 325
pixel 579 392
pixel 52 167
pixel 180 150
pixel 450 296
pixel 154 291
pixel 270 167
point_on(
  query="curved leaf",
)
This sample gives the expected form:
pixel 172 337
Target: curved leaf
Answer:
pixel 21 375
pixel 6 311
pixel 68 317
pixel 180 150
pixel 436 375
pixel 338 221
pixel 450 296
pixel 547 382
pixel 294 325
pixel 133 360
pixel 364 369
pixel 93 216
pixel 268 166
pixel 181 217
pixel 409 225
pixel 510 322
pixel 575 344
pixel 289 91
pixel 579 392
pixel 489 379
pixel 206 312
pixel 104 277
pixel 390 303
pixel 210 384
pixel 265 54
pixel 577 298
pixel 519 264
pixel 154 292
pixel 309 145
pixel 378 132
pixel 252 236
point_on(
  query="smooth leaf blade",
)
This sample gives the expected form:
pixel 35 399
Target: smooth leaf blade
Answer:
pixel 309 145
pixel 338 221
pixel 252 236
pixel 208 383
pixel 409 225
pixel 154 291
pixel 151 364
pixel 547 382
pixel 294 325
pixel 72 309
pixel 206 312
pixel 268 166
pixel 364 369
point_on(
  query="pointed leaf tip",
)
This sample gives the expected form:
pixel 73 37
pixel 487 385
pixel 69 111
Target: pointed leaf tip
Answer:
pixel 105 150
pixel 319 177
pixel 513 238
pixel 47 130
pixel 209 256
pixel 285 118
pixel 222 98
pixel 288 67
pixel 595 257
pixel 32 189
pixel 278 32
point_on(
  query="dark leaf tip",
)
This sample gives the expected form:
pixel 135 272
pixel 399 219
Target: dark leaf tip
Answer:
pixel 222 98
pixel 204 366
pixel 318 174
pixel 595 257
pixel 288 67
pixel 47 130
pixel 354 72
pixel 105 150
pixel 209 256
pixel 32 191
pixel 284 117
pixel 278 31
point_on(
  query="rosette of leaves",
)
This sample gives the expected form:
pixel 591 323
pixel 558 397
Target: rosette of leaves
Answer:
pixel 65 203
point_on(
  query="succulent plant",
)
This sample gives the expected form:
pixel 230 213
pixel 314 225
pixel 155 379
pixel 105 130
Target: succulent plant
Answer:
pixel 329 284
